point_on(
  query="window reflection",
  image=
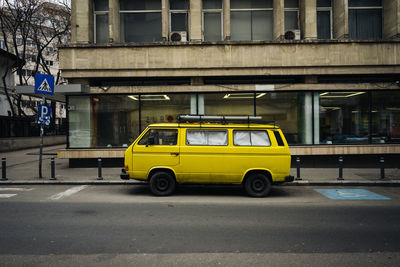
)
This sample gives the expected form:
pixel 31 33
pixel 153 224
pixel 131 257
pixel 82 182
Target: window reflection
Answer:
pixel 343 117
pixel 385 117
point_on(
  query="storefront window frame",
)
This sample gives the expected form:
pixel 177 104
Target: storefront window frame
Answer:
pixel 198 110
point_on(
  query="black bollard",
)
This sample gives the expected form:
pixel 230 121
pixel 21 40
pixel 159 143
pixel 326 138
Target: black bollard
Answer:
pixel 298 168
pixel 340 169
pixel 382 163
pixel 3 169
pixel 53 170
pixel 99 169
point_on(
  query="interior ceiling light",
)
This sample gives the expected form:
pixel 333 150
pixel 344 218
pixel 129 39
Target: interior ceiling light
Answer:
pixel 243 95
pixel 150 97
pixel 331 108
pixel 340 94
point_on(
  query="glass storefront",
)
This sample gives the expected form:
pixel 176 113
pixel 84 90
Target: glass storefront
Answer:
pixel 306 118
pixel 163 107
pixel 226 104
pixel 291 111
pixel 343 117
pixel 385 114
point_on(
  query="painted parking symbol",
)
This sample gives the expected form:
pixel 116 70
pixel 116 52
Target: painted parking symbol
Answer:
pixel 351 194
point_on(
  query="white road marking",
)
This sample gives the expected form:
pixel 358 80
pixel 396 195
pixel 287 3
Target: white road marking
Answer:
pixel 15 189
pixel 7 195
pixel 68 192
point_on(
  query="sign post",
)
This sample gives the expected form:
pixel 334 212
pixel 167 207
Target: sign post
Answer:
pixel 44 84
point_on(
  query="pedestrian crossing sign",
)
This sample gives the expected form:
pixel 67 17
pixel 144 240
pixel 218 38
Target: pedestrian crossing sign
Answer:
pixel 44 84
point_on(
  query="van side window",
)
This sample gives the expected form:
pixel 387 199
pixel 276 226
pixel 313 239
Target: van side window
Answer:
pixel 206 138
pixel 279 138
pixel 160 137
pixel 251 138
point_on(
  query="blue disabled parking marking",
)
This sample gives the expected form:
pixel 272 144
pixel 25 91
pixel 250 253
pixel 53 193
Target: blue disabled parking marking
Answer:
pixel 352 194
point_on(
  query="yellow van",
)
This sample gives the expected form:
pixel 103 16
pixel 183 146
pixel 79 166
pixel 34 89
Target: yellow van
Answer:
pixel 209 150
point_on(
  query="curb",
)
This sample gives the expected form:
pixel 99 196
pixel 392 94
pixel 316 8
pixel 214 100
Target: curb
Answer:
pixel 345 183
pixel 133 182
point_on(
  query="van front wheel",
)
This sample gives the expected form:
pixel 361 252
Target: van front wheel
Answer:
pixel 257 185
pixel 162 184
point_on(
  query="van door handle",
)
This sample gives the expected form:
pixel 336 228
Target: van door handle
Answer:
pixel 175 154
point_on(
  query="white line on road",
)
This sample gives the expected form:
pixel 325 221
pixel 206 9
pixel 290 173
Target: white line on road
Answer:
pixel 68 192
pixel 7 195
pixel 15 189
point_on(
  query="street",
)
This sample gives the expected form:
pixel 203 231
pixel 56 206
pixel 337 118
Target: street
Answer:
pixel 87 225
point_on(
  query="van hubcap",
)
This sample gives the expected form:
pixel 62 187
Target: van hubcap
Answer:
pixel 258 185
pixel 162 184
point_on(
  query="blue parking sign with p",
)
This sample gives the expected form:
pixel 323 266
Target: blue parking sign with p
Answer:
pixel 44 84
pixel 44 114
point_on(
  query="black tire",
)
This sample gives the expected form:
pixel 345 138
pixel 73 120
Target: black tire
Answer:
pixel 162 183
pixel 257 185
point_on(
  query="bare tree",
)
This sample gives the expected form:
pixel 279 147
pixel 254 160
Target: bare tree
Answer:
pixel 31 28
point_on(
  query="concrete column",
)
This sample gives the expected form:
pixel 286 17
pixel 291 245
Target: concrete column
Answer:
pixel 164 19
pixel 279 19
pixel 113 20
pixel 82 21
pixel 316 118
pixel 391 19
pixel 226 5
pixel 308 19
pixel 195 21
pixel 73 21
pixel 340 19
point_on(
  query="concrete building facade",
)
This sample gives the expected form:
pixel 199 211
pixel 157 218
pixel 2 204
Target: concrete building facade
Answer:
pixel 327 72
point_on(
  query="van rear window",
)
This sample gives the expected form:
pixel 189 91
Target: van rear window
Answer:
pixel 279 138
pixel 206 138
pixel 251 138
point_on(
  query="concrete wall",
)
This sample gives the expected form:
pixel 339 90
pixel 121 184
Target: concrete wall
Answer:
pixel 11 144
pixel 391 19
pixel 263 58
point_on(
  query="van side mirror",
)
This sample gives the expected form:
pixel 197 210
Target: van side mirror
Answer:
pixel 150 141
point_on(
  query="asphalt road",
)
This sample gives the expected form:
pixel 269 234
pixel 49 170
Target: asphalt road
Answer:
pixel 126 225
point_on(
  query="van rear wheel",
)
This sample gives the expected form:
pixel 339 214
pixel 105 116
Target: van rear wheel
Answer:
pixel 162 183
pixel 257 185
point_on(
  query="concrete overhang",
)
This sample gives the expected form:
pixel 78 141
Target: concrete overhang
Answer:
pixel 60 91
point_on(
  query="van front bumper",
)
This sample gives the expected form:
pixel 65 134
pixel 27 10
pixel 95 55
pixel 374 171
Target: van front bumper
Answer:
pixel 124 175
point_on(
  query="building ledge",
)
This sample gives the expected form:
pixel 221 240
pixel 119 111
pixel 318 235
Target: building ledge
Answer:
pixel 91 153
pixel 227 42
pixel 345 149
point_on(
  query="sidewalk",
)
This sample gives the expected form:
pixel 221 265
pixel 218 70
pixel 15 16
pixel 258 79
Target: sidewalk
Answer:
pixel 23 168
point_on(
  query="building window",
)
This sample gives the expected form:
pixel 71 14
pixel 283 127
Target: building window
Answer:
pixel 252 20
pixel 291 111
pixel 343 117
pixel 101 33
pixel 365 19
pixel 212 20
pixel 385 115
pixel 291 15
pixel 2 45
pixel 179 16
pixel 140 21
pixel 324 19
pixel 226 104
pixel 160 108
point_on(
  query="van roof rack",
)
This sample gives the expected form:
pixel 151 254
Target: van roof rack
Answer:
pixel 223 119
